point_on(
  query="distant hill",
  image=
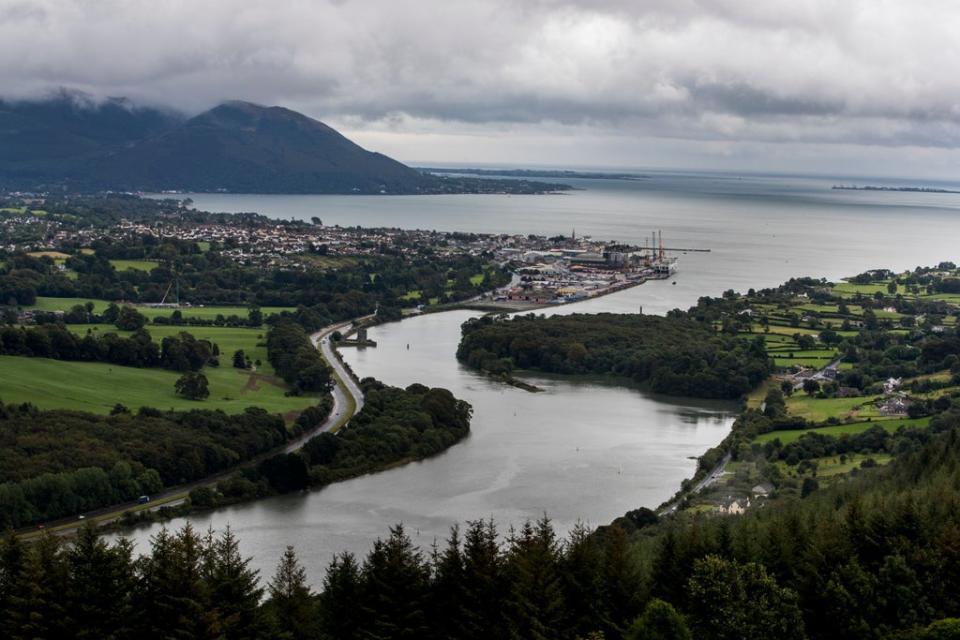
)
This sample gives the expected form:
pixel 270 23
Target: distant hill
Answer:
pixel 55 140
pixel 70 142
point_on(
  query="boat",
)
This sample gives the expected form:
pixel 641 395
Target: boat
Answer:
pixel 665 268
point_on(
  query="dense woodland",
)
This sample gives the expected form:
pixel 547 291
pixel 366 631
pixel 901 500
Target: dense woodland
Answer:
pixel 59 463
pixel 673 355
pixel 395 426
pixel 295 358
pixel 877 557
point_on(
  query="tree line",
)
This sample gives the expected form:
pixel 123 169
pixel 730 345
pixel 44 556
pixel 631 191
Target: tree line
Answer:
pixel 60 463
pixel 674 354
pixel 182 352
pixel 296 359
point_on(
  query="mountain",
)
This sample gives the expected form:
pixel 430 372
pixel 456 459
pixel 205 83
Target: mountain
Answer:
pixel 239 146
pixel 53 140
pixel 73 143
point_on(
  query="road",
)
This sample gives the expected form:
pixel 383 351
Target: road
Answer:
pixel 711 477
pixel 347 401
pixel 346 385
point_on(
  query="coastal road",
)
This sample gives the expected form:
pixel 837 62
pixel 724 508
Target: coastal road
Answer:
pixel 347 396
pixel 347 402
pixel 711 477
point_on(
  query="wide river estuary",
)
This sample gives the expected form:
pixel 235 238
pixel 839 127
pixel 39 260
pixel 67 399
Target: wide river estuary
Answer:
pixel 586 450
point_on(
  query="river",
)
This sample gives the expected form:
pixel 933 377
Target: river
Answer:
pixel 586 450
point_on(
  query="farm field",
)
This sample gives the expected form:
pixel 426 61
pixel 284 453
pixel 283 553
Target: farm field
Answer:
pixel 788 436
pixel 831 466
pixel 211 312
pixel 818 410
pixel 850 289
pixel 97 387
pixel 801 360
pixel 139 265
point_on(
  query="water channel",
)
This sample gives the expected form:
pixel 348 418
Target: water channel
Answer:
pixel 590 449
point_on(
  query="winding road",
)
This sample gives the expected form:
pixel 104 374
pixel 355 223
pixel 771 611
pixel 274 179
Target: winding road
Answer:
pixel 347 402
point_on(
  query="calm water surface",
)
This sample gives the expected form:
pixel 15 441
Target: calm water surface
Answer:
pixel 589 450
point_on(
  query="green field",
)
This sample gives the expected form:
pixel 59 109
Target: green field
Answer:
pixel 21 210
pixel 849 289
pixel 783 330
pixel 818 410
pixel 65 304
pixel 96 387
pixel 831 466
pixel 229 339
pixel 788 436
pixel 139 265
pixel 801 361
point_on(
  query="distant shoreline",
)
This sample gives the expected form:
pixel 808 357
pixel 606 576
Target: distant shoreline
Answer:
pixel 843 187
pixel 535 173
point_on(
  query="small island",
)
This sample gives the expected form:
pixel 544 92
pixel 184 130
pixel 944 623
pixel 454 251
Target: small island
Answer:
pixel 853 187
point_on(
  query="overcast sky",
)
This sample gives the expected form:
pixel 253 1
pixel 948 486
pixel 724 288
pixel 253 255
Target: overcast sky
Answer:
pixel 827 86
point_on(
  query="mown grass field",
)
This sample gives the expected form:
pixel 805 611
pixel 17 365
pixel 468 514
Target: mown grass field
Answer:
pixel 818 409
pixel 139 265
pixel 96 387
pixel 209 313
pixel 788 436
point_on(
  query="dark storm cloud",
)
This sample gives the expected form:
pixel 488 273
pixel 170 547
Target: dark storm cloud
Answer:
pixel 838 71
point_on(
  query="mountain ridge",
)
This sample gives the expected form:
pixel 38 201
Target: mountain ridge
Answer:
pixel 70 142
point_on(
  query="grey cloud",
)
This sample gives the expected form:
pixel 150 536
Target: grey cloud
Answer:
pixel 819 71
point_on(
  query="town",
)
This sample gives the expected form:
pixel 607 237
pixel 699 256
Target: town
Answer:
pixel 547 270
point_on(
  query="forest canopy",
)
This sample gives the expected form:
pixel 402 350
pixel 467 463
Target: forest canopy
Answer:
pixel 673 355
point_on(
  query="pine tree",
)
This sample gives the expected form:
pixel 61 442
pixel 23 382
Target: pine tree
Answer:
pixel 621 584
pixel 394 592
pixel 100 586
pixel 233 590
pixel 172 599
pixel 668 576
pixel 582 585
pixel 485 584
pixel 12 558
pixel 340 600
pixel 537 609
pixel 37 604
pixel 447 589
pixel 291 608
